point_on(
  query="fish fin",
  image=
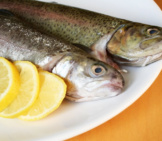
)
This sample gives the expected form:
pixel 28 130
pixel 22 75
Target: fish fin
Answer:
pixel 82 47
pixel 6 12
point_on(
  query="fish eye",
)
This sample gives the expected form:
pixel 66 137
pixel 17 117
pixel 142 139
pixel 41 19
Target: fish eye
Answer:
pixel 152 31
pixel 98 70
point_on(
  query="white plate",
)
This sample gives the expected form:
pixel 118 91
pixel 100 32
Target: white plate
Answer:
pixel 75 118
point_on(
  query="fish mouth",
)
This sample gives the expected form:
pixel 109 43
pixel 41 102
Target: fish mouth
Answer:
pixel 114 86
pixel 106 86
pixel 142 61
pixel 149 53
pixel 103 90
pixel 155 42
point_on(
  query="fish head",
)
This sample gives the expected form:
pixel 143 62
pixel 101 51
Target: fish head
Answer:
pixel 136 44
pixel 90 79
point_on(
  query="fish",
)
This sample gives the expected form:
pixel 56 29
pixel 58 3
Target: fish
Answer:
pixel 87 78
pixel 127 43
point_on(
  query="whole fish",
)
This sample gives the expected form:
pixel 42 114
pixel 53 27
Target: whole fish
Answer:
pixel 87 78
pixel 130 43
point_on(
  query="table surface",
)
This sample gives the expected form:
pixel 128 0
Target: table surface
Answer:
pixel 142 121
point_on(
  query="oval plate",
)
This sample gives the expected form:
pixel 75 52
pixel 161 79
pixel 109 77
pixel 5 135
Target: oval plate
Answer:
pixel 71 118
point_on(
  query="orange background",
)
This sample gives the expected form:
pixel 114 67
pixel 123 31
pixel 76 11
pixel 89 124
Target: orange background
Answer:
pixel 142 121
pixel 159 2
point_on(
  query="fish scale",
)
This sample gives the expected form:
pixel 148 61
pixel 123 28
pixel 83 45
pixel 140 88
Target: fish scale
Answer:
pixel 18 41
pixel 106 36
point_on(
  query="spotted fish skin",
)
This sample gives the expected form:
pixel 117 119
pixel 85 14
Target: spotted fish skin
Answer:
pixel 103 34
pixel 72 24
pixel 18 41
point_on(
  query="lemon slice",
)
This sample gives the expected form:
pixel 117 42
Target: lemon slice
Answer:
pixel 28 92
pixel 9 83
pixel 52 93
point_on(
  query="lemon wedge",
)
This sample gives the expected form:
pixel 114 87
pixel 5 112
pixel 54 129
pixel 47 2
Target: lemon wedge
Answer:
pixel 9 83
pixel 52 93
pixel 28 91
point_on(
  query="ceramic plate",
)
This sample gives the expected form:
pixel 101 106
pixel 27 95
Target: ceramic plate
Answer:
pixel 71 118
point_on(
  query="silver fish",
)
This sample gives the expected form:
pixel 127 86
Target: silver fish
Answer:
pixel 129 43
pixel 87 78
